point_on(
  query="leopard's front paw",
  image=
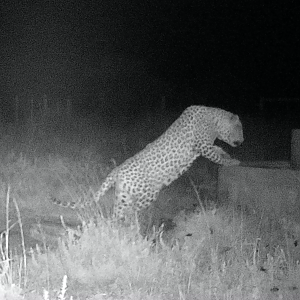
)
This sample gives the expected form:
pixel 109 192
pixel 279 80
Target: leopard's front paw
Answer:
pixel 231 162
pixel 222 153
pixel 226 156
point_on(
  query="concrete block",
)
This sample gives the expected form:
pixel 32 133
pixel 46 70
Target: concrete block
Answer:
pixel 268 188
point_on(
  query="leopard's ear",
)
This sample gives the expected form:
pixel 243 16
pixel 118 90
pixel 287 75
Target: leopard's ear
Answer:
pixel 234 118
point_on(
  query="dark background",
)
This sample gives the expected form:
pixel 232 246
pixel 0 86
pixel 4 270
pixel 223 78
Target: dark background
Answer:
pixel 125 56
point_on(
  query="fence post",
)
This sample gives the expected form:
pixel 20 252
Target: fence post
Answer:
pixel 295 149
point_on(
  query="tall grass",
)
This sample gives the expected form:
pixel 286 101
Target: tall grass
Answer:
pixel 216 257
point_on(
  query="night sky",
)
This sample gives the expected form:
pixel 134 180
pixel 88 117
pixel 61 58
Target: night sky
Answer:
pixel 230 52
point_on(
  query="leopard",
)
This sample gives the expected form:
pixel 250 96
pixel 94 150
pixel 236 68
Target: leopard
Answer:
pixel 140 178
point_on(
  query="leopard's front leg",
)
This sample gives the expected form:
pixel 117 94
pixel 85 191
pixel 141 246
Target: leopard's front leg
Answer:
pixel 219 156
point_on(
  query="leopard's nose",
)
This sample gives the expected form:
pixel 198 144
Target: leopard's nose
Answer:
pixel 237 143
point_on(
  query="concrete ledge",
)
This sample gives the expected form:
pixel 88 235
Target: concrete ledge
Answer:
pixel 269 188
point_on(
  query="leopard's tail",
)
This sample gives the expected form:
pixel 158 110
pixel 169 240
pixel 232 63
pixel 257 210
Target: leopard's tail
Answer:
pixel 67 204
pixel 81 204
pixel 108 183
